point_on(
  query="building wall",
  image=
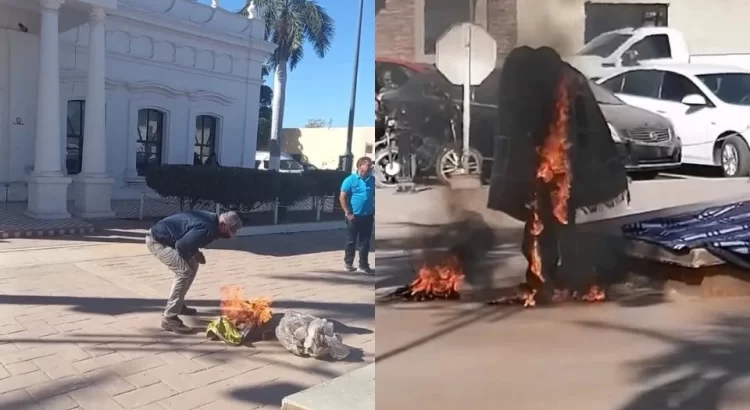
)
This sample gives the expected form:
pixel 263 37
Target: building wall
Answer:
pixel 394 30
pixel 153 61
pixel 399 27
pixel 323 146
pixel 709 28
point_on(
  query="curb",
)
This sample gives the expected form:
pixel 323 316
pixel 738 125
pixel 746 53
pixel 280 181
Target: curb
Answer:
pixel 44 232
pixel 352 391
pixel 291 228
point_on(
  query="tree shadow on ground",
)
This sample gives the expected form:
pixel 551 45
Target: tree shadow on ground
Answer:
pixel 269 394
pixel 118 306
pixel 292 244
pixel 699 372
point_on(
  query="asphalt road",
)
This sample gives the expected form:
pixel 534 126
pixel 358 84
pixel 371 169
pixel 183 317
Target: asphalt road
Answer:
pixel 658 353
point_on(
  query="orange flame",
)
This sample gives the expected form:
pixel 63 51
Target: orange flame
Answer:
pixel 439 280
pixel 242 312
pixel 554 167
pixel 555 164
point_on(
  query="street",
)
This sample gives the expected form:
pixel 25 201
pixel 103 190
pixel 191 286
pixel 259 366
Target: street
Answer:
pixel 654 351
pixel 79 323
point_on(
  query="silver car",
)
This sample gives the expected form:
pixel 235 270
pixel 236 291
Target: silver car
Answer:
pixel 645 140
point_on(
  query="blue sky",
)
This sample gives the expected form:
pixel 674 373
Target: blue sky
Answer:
pixel 321 88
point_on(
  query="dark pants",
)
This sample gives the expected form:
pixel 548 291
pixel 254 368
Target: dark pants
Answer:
pixel 358 230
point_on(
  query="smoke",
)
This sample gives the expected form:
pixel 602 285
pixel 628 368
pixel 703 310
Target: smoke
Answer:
pixel 554 23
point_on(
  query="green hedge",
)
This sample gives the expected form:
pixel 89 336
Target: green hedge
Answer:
pixel 241 189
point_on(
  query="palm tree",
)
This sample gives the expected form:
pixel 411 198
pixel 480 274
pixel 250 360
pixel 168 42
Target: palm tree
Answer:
pixel 288 24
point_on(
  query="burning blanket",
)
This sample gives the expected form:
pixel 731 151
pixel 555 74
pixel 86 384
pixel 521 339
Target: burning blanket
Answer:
pixel 554 155
pixel 305 335
pixel 723 230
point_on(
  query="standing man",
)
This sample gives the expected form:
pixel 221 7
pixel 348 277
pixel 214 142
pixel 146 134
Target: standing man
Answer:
pixel 358 201
pixel 176 242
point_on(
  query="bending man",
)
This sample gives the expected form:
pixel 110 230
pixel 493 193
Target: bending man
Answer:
pixel 176 241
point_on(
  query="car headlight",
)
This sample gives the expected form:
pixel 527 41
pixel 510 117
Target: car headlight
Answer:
pixel 615 135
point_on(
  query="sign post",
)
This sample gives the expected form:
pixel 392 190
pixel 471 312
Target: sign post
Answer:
pixel 466 55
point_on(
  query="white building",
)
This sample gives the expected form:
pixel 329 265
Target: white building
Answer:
pixel 94 91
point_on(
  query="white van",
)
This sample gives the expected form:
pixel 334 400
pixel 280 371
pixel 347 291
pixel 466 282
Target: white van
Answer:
pixel 287 165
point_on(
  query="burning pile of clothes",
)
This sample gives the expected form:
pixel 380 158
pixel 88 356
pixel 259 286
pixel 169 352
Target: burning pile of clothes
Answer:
pixel 299 333
pixel 239 316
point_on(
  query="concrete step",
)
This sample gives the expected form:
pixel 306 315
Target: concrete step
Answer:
pixel 352 391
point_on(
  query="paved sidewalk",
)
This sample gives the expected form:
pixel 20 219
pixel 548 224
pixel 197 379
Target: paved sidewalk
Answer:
pixel 79 324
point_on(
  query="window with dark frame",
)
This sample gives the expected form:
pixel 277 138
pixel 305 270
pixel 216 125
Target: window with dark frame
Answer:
pixel 205 139
pixel 653 47
pixel 439 15
pixel 642 83
pixel 675 87
pixel 74 140
pixel 150 139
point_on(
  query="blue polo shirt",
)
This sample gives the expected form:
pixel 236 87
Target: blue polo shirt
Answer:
pixel 361 192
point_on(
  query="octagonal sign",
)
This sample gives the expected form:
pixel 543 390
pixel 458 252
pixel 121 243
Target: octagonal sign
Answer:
pixel 451 53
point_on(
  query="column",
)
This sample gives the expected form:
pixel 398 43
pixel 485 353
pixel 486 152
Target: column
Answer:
pixel 47 185
pixel 93 187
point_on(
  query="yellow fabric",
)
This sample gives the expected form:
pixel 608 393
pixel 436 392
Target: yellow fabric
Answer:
pixel 224 330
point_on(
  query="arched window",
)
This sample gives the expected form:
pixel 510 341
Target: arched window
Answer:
pixel 150 137
pixel 205 140
pixel 74 141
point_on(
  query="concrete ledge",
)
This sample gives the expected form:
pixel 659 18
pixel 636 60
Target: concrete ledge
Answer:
pixel 44 232
pixel 705 282
pixel 291 228
pixel 352 391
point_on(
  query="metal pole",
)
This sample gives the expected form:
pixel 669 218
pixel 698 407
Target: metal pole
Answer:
pixel 348 156
pixel 467 100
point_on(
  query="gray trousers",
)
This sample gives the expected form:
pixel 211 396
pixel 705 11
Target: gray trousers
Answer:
pixel 184 271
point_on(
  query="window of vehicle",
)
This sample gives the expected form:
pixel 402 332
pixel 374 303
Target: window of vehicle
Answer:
pixel 290 165
pixel 150 139
pixel 604 45
pixel 653 47
pixel 74 141
pixel 205 139
pixel 439 15
pixel 642 83
pixel 676 87
pixel 604 96
pixel 732 88
pixel 614 84
pixel 390 76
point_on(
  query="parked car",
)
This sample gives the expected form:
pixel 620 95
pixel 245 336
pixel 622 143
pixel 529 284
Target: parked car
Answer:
pixel 612 51
pixel 287 164
pixel 646 140
pixel 709 107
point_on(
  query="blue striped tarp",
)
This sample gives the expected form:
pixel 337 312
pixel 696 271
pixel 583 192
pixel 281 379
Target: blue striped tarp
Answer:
pixel 723 230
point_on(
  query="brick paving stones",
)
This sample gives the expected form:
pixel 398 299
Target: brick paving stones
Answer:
pixel 79 324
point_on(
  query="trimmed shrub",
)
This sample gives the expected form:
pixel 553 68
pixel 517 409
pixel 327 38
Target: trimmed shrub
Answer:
pixel 241 189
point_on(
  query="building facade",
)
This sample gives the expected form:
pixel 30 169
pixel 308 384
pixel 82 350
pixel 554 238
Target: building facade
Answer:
pixel 94 92
pixel 408 29
pixel 323 147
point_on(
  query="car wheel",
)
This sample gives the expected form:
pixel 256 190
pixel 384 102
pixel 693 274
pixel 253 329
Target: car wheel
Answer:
pixel 449 164
pixel 387 167
pixel 735 157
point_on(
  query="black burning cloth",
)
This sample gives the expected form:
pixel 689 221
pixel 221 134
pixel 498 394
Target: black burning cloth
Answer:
pixel 533 85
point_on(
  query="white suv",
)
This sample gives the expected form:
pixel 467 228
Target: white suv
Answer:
pixel 288 164
pixel 708 105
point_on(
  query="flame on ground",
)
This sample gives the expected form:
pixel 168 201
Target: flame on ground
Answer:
pixel 435 281
pixel 241 312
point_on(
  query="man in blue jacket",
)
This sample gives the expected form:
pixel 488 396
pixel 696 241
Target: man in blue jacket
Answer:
pixel 176 241
pixel 358 201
